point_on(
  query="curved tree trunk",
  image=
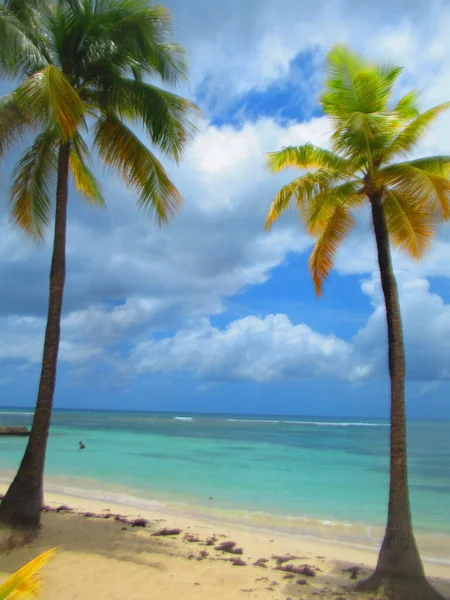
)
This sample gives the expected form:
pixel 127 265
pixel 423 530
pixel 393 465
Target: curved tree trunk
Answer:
pixel 399 570
pixel 22 504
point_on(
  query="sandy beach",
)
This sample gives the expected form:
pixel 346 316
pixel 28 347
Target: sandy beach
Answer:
pixel 105 558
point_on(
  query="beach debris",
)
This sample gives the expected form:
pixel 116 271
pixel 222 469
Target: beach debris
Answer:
pixel 121 519
pixel 288 598
pixel 229 547
pixel 355 571
pixel 90 514
pixel 262 579
pixel 306 570
pixel 272 589
pixel 247 590
pixel 238 562
pixel 167 531
pixel 124 528
pixel 64 508
pixel 289 576
pixel 47 508
pixel 283 558
pixel 211 541
pixel 139 523
pixel 197 583
pixel 191 537
pixel 261 562
pixel 204 553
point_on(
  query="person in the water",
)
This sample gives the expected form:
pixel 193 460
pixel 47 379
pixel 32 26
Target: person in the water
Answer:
pixel 82 446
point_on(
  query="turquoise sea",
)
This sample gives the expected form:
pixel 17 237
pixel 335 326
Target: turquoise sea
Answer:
pixel 318 477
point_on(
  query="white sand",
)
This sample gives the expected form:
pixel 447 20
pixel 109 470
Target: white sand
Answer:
pixel 98 558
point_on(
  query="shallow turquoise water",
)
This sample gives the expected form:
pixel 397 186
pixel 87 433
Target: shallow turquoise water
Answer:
pixel 310 470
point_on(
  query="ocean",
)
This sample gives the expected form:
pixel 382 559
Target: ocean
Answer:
pixel 324 478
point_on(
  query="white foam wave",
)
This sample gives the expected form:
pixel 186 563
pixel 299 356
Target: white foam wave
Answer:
pixel 313 423
pixel 2 412
pixel 183 418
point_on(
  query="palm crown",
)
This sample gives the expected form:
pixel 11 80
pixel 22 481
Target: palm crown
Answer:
pixel 369 134
pixel 83 68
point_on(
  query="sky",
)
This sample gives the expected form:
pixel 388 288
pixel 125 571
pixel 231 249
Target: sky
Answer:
pixel 211 313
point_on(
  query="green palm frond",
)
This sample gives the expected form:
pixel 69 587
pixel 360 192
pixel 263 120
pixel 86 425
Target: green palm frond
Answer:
pixel 334 231
pixel 14 124
pixel 24 582
pixel 85 181
pixel 408 138
pixel 410 223
pixel 406 108
pixel 34 178
pixel 170 120
pixel 122 150
pixel 48 97
pixel 20 49
pixel 307 156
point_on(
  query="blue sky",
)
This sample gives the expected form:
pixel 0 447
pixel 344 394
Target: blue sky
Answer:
pixel 212 313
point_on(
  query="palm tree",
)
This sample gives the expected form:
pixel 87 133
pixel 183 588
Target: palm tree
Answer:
pixel 25 582
pixel 407 200
pixel 83 69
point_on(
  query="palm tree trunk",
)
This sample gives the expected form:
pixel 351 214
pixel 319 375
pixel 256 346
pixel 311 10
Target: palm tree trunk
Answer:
pixel 22 504
pixel 399 568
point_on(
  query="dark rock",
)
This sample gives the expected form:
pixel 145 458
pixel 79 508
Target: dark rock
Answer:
pixel 139 523
pixel 167 531
pixel 124 528
pixel 64 508
pixel 238 562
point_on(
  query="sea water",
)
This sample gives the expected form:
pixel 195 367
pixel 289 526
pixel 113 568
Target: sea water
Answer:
pixel 320 477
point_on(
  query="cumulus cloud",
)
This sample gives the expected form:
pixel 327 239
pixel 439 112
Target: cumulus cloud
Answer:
pixel 253 349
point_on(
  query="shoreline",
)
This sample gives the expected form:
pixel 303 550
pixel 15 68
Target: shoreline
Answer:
pixel 101 554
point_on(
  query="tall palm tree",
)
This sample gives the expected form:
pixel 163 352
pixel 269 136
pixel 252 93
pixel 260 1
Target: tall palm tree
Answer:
pixel 83 70
pixel 407 200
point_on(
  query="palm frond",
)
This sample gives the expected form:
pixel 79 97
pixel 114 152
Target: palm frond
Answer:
pixel 410 223
pixel 85 181
pixel 14 124
pixel 427 185
pixel 140 169
pixel 307 156
pixel 408 138
pixel 407 108
pixel 355 85
pixel 333 234
pixel 302 189
pixel 34 178
pixel 48 96
pixel 23 583
pixel 21 50
pixel 350 194
pixel 170 120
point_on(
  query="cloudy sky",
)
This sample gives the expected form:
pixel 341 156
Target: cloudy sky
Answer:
pixel 211 313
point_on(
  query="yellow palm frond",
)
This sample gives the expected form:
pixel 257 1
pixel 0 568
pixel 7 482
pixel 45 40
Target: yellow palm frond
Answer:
pixel 333 233
pixel 410 223
pixel 307 156
pixel 408 138
pixel 23 583
pixel 34 178
pixel 47 96
pixel 317 213
pixel 302 189
pixel 122 150
pixel 428 187
pixel 85 181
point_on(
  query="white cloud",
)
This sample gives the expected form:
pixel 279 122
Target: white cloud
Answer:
pixel 252 348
